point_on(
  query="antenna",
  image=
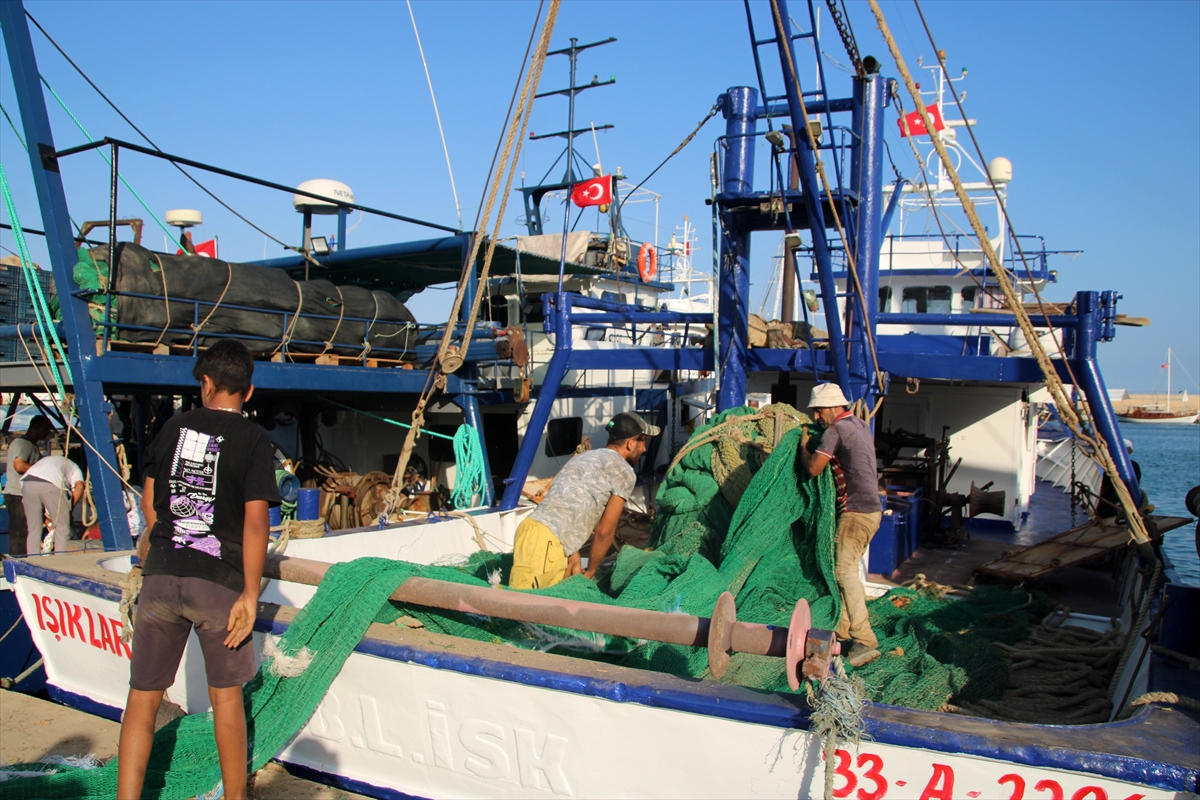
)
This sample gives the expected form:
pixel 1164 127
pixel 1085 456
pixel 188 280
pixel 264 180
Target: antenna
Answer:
pixel 533 194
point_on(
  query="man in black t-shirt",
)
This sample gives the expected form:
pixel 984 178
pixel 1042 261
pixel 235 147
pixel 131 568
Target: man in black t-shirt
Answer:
pixel 209 483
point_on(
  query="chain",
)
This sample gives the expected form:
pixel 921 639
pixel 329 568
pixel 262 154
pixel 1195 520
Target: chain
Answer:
pixel 843 29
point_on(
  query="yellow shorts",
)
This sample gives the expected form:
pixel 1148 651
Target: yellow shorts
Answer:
pixel 538 557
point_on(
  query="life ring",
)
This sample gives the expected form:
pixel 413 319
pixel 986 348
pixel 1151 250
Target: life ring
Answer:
pixel 647 262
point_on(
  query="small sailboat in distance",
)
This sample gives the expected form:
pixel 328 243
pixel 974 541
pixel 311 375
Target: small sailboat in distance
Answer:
pixel 1157 413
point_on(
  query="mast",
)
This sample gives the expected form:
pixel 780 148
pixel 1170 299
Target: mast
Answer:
pixel 1168 380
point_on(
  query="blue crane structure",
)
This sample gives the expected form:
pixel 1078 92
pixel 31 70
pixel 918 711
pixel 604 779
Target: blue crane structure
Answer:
pixel 845 221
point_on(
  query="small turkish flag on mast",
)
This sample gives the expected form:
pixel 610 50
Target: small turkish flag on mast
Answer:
pixel 914 125
pixel 596 192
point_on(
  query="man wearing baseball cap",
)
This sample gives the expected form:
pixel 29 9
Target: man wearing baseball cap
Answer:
pixel 848 440
pixel 586 498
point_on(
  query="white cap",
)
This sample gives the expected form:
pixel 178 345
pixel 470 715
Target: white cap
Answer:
pixel 827 395
pixel 1128 446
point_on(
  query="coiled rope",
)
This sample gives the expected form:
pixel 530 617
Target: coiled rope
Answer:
pixel 468 458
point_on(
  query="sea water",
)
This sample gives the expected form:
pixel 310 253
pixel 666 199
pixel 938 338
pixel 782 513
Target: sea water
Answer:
pixel 1169 456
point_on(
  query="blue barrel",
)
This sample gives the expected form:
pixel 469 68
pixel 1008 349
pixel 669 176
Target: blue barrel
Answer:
pixel 276 515
pixel 308 506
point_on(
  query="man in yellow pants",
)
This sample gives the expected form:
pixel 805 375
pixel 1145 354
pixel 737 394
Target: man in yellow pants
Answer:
pixel 586 498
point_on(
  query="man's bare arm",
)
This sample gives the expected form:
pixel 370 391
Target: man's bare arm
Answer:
pixel 143 547
pixel 602 536
pixel 21 465
pixel 813 463
pixel 256 531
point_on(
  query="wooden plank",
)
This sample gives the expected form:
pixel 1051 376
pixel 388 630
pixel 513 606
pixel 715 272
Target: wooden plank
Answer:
pixel 1057 553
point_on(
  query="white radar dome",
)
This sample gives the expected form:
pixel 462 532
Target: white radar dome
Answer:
pixel 183 217
pixel 1000 169
pixel 335 190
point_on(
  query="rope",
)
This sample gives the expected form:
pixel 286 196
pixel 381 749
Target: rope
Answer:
pixel 519 118
pixel 1053 383
pixel 162 273
pixel 287 333
pixel 469 477
pixel 8 683
pixel 341 316
pixel 1135 631
pixel 712 112
pixel 197 328
pixel 131 587
pixel 838 705
pixel 1167 697
pixel 436 114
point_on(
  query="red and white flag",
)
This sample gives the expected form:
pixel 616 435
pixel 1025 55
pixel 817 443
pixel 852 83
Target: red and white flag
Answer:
pixel 596 192
pixel 207 249
pixel 914 125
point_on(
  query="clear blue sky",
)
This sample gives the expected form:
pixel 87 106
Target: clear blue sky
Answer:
pixel 1096 104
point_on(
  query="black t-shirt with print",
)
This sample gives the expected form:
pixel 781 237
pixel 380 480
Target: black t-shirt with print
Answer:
pixel 206 466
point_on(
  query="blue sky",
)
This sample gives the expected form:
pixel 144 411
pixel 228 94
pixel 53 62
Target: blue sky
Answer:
pixel 1096 104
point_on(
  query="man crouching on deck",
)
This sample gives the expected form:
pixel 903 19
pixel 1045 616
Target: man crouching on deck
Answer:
pixel 209 482
pixel 848 440
pixel 586 498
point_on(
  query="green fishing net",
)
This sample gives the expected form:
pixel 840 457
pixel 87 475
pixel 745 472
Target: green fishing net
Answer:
pixel 732 517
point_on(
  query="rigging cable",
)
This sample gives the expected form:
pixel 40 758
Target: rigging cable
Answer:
pixel 438 116
pixel 149 141
pixel 1053 382
pixel 448 359
pixel 687 139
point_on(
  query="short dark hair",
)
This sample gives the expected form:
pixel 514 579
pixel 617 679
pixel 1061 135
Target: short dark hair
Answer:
pixel 229 364
pixel 40 421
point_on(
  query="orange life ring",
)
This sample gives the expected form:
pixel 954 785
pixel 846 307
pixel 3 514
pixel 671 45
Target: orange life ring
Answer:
pixel 647 262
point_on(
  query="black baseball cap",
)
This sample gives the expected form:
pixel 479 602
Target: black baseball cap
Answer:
pixel 626 425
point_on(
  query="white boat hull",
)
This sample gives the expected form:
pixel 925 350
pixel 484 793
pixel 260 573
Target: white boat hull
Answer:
pixel 1189 419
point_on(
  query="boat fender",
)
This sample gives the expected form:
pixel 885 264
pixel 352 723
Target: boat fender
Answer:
pixel 647 262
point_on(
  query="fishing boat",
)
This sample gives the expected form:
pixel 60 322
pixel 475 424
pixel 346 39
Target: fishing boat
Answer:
pixel 1161 413
pixel 472 691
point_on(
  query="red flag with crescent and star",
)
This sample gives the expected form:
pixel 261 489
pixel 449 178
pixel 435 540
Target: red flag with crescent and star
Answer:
pixel 596 192
pixel 912 122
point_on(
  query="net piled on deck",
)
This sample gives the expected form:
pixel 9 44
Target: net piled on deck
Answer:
pixel 733 517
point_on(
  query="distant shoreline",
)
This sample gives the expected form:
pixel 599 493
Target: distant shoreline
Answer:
pixel 1192 405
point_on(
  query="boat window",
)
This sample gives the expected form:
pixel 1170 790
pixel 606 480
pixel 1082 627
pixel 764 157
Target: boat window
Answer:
pixel 563 435
pixel 925 300
pixel 885 299
pixel 969 293
pixel 440 450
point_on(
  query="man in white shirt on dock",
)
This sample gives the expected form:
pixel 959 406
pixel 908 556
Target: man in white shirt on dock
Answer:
pixel 51 487
pixel 586 498
pixel 23 453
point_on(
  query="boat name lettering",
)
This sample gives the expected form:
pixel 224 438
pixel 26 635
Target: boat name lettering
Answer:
pixel 862 778
pixel 67 619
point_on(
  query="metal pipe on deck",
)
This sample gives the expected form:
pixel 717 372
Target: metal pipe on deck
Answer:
pixel 632 623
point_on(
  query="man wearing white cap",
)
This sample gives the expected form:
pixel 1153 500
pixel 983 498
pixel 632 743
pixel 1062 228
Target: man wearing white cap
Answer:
pixel 848 440
pixel 586 498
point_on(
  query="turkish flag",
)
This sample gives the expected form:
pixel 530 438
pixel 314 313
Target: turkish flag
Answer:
pixel 912 123
pixel 207 249
pixel 596 192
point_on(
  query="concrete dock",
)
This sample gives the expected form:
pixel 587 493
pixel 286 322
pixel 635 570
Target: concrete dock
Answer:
pixel 31 729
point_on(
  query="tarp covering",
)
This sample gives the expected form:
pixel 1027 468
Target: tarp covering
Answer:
pixel 254 301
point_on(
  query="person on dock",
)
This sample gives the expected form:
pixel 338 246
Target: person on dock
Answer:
pixel 586 499
pixel 50 488
pixel 23 453
pixel 210 481
pixel 847 439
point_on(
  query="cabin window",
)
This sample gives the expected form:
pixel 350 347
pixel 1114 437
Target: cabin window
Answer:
pixel 885 299
pixel 969 293
pixel 563 435
pixel 926 300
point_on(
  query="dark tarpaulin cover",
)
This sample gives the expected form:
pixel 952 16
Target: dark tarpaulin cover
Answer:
pixel 350 317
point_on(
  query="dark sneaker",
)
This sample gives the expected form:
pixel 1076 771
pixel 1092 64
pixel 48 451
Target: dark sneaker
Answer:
pixel 859 655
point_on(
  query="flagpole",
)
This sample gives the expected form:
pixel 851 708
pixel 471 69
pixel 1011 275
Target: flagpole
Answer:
pixel 562 261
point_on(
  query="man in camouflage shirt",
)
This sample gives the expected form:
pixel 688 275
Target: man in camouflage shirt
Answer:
pixel 586 498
